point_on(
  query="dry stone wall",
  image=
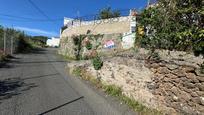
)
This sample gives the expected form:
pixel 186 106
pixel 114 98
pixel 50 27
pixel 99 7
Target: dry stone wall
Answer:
pixel 178 87
pixel 129 74
pixel 172 84
pixel 67 46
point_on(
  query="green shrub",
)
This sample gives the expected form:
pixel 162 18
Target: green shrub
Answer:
pixel 77 71
pixel 2 57
pixel 75 39
pixel 112 90
pixel 23 45
pixel 89 46
pixel 106 13
pixel 166 28
pixel 154 55
pixel 97 63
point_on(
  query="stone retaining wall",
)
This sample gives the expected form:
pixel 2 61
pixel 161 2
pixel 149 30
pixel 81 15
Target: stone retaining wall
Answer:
pixel 172 84
pixel 178 87
pixel 67 46
pixel 129 74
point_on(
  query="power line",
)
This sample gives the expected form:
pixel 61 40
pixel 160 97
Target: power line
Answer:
pixel 39 10
pixel 18 17
pixel 27 18
pixel 22 20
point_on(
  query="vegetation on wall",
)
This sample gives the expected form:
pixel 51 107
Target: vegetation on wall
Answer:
pixel 88 45
pixel 77 40
pixel 173 25
pixel 81 41
pixel 63 28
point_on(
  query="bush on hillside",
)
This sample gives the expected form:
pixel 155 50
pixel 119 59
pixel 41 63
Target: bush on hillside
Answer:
pixel 23 45
pixel 88 45
pixel 97 63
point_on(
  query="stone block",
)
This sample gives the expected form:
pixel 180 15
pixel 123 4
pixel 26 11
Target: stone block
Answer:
pixel 163 70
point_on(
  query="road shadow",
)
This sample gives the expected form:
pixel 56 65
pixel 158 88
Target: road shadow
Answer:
pixel 15 86
pixel 41 76
pixel 6 64
pixel 55 108
pixel 34 51
pixel 41 62
pixel 12 87
pixel 3 64
pixel 9 63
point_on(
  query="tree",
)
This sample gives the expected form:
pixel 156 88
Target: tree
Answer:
pixel 174 25
pixel 108 13
pixel 39 40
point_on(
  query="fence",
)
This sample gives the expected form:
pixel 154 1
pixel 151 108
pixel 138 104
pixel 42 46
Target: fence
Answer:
pixel 8 41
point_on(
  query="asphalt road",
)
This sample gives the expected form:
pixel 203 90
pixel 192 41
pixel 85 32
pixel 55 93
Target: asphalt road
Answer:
pixel 37 83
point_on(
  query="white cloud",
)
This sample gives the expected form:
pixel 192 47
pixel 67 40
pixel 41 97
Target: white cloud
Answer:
pixel 37 31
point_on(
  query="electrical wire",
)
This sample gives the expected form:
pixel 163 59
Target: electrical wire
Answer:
pixel 27 19
pixel 40 11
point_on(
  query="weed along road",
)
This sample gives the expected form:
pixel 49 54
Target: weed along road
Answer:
pixel 37 84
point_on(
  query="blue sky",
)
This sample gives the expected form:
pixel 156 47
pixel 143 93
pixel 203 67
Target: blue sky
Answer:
pixel 37 24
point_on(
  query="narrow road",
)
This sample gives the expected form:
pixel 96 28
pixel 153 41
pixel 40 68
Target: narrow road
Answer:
pixel 37 84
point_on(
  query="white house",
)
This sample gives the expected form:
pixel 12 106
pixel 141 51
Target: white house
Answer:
pixel 53 42
pixel 68 21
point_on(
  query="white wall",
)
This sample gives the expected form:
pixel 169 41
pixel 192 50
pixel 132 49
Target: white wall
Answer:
pixel 53 42
pixel 128 40
pixel 68 21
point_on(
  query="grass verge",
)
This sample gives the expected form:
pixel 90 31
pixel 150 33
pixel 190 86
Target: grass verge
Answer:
pixel 115 91
pixel 68 58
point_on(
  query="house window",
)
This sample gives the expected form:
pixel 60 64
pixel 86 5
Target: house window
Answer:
pixel 133 29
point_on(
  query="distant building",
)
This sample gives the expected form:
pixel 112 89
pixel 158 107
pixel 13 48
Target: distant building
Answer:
pixel 53 42
pixel 68 21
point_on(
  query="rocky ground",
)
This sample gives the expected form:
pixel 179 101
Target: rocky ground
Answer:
pixel 172 84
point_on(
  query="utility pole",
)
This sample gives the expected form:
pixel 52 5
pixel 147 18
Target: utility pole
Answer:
pixel 4 41
pixel 11 45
